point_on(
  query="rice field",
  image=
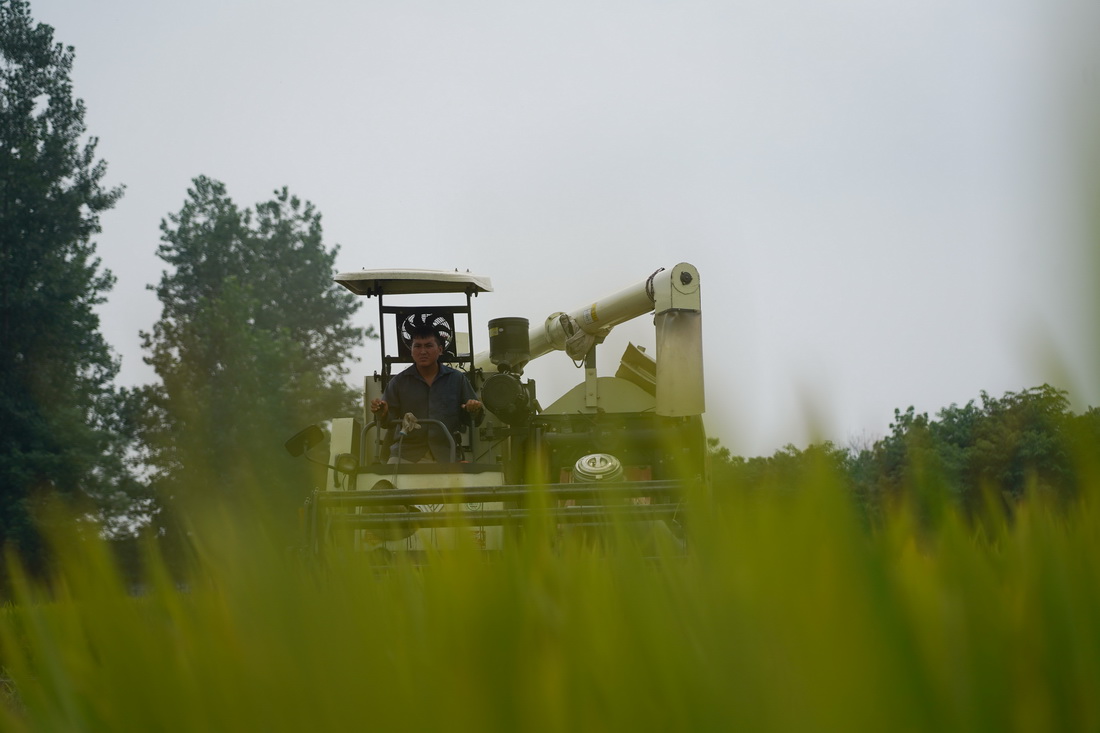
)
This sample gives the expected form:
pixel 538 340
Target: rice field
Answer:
pixel 786 613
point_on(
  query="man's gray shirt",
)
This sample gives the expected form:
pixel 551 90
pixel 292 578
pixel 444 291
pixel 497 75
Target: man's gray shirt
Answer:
pixel 443 400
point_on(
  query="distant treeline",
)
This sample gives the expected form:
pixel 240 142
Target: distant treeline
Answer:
pixel 988 452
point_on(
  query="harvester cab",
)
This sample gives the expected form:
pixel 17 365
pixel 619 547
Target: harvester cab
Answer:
pixel 399 317
pixel 612 448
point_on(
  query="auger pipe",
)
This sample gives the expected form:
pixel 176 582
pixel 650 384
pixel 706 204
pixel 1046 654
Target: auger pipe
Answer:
pixel 657 292
pixel 673 297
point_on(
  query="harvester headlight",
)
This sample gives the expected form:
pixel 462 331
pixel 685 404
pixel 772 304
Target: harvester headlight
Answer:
pixel 346 463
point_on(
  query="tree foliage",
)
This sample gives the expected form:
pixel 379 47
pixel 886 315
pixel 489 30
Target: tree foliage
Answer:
pixel 56 370
pixel 997 449
pixel 783 470
pixel 249 348
pixel 1002 448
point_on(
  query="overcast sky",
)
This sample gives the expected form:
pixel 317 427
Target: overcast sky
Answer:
pixel 883 199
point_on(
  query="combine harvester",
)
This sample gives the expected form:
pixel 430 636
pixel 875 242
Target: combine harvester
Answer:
pixel 611 449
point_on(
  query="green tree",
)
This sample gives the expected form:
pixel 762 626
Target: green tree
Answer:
pixel 249 348
pixel 998 450
pixel 786 470
pixel 1023 442
pixel 56 370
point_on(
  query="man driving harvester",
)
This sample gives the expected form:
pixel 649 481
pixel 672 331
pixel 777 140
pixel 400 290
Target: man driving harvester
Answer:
pixel 430 390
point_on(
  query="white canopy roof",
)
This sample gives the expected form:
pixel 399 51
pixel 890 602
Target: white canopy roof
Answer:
pixel 412 282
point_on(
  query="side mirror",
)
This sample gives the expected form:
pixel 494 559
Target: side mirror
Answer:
pixel 304 440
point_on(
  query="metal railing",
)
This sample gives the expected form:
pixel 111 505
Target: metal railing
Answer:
pixel 603 503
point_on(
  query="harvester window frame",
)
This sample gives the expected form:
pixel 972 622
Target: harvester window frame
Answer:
pixel 464 361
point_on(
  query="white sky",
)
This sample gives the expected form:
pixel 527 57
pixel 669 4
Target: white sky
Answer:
pixel 883 199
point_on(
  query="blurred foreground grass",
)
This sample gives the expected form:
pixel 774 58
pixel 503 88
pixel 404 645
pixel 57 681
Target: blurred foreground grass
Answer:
pixel 785 614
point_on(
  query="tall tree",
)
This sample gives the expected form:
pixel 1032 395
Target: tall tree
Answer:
pixel 56 369
pixel 250 345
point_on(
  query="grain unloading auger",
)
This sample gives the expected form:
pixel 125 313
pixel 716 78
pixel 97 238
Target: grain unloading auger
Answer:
pixel 625 448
